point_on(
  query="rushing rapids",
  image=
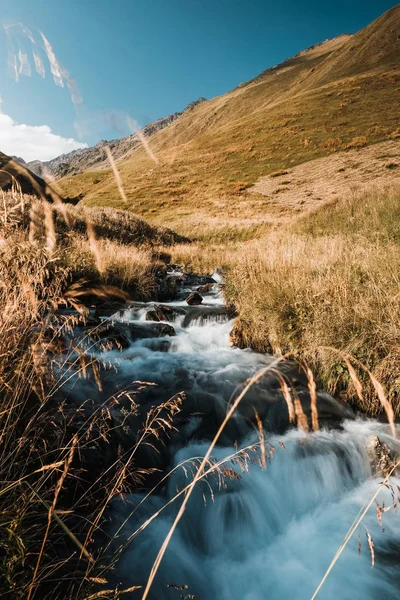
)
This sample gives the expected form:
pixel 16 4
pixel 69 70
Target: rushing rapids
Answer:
pixel 265 523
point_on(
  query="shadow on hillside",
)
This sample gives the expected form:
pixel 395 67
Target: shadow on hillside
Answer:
pixel 74 200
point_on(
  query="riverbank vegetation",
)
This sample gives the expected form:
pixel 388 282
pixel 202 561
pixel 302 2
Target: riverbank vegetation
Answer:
pixel 52 492
pixel 328 280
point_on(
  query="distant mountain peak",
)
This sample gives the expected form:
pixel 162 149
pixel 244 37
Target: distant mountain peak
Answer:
pixel 195 103
pixel 18 159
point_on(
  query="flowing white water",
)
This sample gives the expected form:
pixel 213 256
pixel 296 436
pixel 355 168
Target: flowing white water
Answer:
pixel 265 533
pixel 272 533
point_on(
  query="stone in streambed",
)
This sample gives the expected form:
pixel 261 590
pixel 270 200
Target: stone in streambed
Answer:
pixel 142 331
pixel 162 312
pixel 156 314
pixel 205 289
pixel 110 308
pixel 119 336
pixel 194 299
pixel 108 336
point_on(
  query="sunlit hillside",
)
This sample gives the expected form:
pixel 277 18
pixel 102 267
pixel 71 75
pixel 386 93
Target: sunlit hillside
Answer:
pixel 341 94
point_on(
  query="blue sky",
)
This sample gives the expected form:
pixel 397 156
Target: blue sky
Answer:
pixel 148 58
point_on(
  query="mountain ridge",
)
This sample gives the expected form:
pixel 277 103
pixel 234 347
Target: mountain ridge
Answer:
pixel 80 160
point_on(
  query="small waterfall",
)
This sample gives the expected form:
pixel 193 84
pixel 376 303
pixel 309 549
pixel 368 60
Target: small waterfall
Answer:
pixel 248 533
pixel 270 533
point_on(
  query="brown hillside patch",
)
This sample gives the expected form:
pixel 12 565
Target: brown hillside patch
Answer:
pixel 312 184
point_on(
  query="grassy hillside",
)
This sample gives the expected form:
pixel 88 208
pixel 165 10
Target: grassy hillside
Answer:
pixel 338 95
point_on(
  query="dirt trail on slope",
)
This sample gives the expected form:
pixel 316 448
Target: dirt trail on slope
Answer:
pixel 312 184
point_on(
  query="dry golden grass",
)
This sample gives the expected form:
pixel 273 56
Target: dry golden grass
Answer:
pixel 195 173
pixel 49 506
pixel 109 246
pixel 128 267
pixel 325 290
pixel 299 294
pixel 330 280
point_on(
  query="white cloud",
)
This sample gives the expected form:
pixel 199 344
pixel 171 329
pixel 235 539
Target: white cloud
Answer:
pixel 54 64
pixel 39 65
pixel 33 142
pixel 24 64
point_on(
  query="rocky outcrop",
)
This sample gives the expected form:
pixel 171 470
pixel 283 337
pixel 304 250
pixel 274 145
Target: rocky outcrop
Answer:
pixel 161 312
pixel 237 337
pixel 112 335
pixel 140 331
pixel 19 160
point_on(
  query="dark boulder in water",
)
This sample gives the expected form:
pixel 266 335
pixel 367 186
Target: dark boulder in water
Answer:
pixel 194 299
pixel 107 336
pixel 141 331
pixel 156 314
pixel 382 458
pixel 110 308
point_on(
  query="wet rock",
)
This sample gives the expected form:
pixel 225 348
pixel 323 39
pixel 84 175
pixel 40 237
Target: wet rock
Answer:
pixel 205 289
pixel 197 280
pixel 165 329
pixel 65 317
pixel 156 314
pixel 90 320
pixel 169 286
pixel 108 337
pixel 152 315
pixel 194 299
pixel 110 308
pixel 380 455
pixel 162 312
pixel 141 331
pixel 237 336
pixel 159 345
pixel 171 312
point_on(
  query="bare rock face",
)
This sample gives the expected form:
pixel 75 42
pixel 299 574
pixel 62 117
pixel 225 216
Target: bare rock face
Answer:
pixel 19 160
pixel 13 172
pixel 194 299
